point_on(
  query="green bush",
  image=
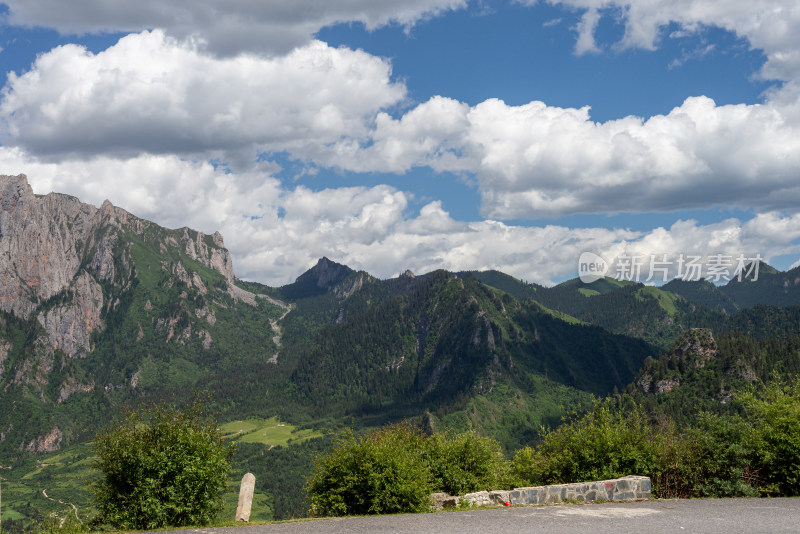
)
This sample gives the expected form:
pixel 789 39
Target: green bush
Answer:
pixel 56 525
pixel 721 458
pixel 378 473
pixel 603 444
pixel 161 466
pixel 467 462
pixel 775 417
pixel 396 468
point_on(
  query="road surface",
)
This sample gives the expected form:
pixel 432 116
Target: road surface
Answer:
pixel 678 516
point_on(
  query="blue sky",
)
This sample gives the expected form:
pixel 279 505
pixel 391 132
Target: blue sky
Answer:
pixel 424 134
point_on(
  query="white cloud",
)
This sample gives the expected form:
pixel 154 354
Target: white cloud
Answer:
pixel 586 28
pixel 537 160
pixel 150 93
pixel 770 25
pixel 275 233
pixel 432 133
pixel 228 27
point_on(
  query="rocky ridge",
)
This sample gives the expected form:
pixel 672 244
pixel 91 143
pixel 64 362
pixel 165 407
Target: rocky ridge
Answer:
pixel 56 249
pixel 66 265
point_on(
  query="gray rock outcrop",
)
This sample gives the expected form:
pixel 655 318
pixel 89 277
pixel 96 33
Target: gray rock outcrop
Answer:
pixel 55 251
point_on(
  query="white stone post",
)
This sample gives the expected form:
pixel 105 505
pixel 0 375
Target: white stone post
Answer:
pixel 246 497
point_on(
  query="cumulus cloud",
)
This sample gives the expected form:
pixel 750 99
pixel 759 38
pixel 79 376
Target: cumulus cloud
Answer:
pixel 537 160
pixel 226 27
pixel 275 232
pixel 150 93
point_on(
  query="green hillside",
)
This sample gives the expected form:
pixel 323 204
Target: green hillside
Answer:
pixel 702 293
pixel 772 287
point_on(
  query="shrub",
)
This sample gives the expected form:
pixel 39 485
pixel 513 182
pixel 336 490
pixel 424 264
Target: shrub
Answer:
pixel 721 458
pixel 380 472
pixel 56 525
pixel 396 468
pixel 161 466
pixel 775 417
pixel 602 444
pixel 467 462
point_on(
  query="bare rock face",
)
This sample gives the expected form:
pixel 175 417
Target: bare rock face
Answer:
pixel 72 386
pixel 345 290
pixel 43 246
pixel 38 244
pixel 217 257
pixel 696 347
pixel 70 327
pixel 694 350
pixel 49 443
pixel 328 273
pixel 667 385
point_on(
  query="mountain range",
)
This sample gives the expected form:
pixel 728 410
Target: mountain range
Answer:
pixel 100 309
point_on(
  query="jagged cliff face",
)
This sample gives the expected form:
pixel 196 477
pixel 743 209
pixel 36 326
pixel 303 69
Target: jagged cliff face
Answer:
pixel 39 240
pixel 56 244
pixel 66 266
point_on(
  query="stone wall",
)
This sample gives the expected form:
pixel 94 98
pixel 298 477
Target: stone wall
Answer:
pixel 628 488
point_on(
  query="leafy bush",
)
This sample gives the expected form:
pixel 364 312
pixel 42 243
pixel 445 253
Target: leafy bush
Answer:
pixel 396 468
pixel 603 444
pixel 380 472
pixel 775 417
pixel 721 459
pixel 161 466
pixel 56 525
pixel 467 462
pixel 720 456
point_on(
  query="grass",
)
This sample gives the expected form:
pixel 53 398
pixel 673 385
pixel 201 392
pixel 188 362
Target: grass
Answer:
pixel 664 299
pixel 588 292
pixel 271 432
pixel 11 514
pixel 261 509
pixel 559 315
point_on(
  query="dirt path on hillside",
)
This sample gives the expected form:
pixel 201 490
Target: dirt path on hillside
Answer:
pixel 59 501
pixel 276 328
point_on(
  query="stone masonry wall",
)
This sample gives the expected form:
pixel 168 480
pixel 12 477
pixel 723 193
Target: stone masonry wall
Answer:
pixel 628 488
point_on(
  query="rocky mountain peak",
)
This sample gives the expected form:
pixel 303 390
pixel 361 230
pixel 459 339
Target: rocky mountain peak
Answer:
pixel 13 189
pixel 55 246
pixel 696 347
pixel 39 239
pixel 328 273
